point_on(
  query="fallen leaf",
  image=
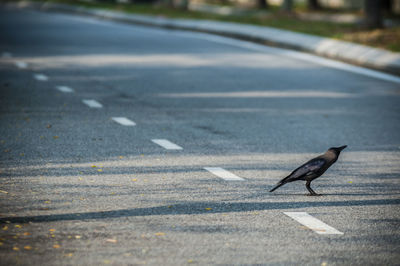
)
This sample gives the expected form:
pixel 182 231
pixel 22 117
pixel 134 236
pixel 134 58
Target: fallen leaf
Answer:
pixel 350 182
pixel 190 261
pixel 121 157
pixel 78 237
pixel 134 179
pixel 55 137
pixel 56 246
pixel 2 191
pixel 94 166
pixel 7 150
pixel 47 202
pixel 27 247
pixel 208 209
pixel 107 261
pixel 80 178
pixel 5 227
pixel 16 248
pixel 27 234
pixel 18 226
pixel 69 254
pixel 22 154
pixel 52 230
pixel 99 170
pixel 110 240
pixel 1 243
pixel 160 234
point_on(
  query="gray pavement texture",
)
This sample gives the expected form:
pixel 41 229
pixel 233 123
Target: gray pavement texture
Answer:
pixel 357 54
pixel 76 188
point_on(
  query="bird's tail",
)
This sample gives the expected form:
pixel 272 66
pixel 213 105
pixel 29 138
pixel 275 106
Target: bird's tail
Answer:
pixel 277 186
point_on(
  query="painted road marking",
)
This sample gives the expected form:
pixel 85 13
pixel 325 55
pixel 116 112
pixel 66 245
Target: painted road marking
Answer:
pixel 313 223
pixel 124 121
pixel 21 64
pixel 64 89
pixel 92 103
pixel 224 174
pixel 6 55
pixel 40 77
pixel 167 144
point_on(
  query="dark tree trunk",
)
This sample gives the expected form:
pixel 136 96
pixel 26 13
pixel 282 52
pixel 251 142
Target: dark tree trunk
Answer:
pixel 262 4
pixel 387 5
pixel 373 14
pixel 313 5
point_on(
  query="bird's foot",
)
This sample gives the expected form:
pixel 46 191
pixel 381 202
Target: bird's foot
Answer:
pixel 314 194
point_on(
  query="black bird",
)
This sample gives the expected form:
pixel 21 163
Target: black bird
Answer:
pixel 313 169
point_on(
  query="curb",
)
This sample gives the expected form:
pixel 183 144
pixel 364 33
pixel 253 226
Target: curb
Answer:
pixel 356 54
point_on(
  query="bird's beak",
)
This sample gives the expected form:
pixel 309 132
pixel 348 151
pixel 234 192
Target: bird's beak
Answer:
pixel 342 148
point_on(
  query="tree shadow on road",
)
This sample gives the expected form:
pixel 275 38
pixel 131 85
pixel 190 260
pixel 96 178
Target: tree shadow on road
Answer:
pixel 194 208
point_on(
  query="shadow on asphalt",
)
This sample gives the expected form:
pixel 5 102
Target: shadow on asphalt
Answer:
pixel 193 208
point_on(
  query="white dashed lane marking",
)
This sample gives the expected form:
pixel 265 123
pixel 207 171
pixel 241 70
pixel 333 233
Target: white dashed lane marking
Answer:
pixel 124 121
pixel 65 89
pixel 21 64
pixel 167 144
pixel 92 103
pixel 41 77
pixel 224 174
pixel 313 223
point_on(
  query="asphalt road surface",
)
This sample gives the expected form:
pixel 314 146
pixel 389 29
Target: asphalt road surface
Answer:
pixel 203 127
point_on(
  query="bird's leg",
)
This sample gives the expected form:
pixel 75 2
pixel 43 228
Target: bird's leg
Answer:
pixel 312 192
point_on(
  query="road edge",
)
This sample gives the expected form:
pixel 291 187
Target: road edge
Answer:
pixel 355 54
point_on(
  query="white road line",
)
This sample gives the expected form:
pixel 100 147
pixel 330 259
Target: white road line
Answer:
pixel 92 103
pixel 40 77
pixel 6 55
pixel 21 64
pixel 124 121
pixel 224 174
pixel 313 223
pixel 167 144
pixel 65 89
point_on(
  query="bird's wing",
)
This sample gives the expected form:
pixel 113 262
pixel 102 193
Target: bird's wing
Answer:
pixel 308 168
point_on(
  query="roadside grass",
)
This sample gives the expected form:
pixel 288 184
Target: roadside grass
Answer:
pixel 388 38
